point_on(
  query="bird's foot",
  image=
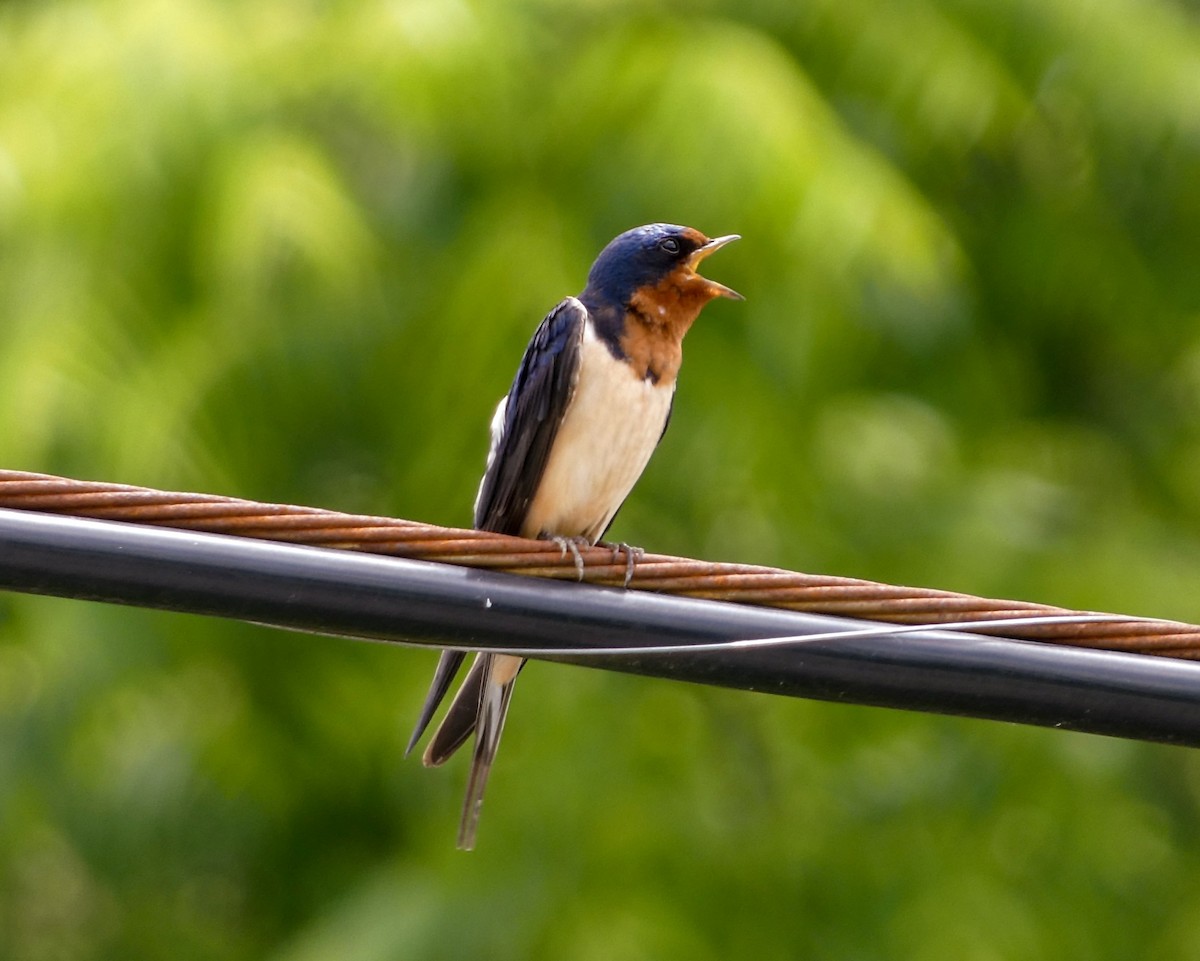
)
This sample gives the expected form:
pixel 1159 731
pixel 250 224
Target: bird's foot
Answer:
pixel 573 544
pixel 632 556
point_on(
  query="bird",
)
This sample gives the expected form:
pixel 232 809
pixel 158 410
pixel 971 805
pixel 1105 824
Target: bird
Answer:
pixel 590 402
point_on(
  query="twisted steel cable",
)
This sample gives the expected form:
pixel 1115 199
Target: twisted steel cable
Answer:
pixel 738 583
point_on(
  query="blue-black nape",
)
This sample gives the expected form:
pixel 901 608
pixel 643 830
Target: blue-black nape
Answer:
pixel 641 256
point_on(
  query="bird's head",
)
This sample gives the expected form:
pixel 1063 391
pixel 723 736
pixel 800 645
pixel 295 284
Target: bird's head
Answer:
pixel 657 262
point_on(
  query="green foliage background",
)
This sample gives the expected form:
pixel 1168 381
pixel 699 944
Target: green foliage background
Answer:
pixel 292 251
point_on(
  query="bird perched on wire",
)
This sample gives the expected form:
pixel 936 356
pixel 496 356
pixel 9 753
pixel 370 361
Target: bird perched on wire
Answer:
pixel 590 402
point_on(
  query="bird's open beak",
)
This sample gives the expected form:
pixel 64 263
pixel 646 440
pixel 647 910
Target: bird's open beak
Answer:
pixel 718 290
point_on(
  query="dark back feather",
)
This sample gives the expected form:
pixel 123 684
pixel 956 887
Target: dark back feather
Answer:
pixel 537 400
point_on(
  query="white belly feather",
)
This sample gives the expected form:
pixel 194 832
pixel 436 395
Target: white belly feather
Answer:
pixel 607 436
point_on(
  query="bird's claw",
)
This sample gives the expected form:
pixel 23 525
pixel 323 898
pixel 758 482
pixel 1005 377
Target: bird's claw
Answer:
pixel 573 544
pixel 632 556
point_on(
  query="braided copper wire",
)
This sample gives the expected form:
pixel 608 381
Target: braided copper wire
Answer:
pixel 738 583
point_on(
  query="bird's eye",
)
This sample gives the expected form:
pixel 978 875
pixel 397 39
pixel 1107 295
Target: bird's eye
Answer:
pixel 670 245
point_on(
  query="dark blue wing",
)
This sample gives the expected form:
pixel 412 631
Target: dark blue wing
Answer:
pixel 534 410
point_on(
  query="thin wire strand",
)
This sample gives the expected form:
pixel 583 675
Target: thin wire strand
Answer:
pixel 921 608
pixel 796 640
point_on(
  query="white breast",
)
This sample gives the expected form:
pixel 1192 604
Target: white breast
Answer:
pixel 610 430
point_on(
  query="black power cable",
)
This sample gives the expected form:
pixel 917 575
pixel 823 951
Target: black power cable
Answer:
pixel 349 594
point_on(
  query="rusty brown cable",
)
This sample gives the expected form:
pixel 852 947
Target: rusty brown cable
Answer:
pixel 737 583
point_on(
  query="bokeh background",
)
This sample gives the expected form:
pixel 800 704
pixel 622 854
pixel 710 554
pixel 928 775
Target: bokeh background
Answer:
pixel 292 250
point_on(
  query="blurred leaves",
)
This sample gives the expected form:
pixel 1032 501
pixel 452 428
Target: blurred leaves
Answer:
pixel 292 251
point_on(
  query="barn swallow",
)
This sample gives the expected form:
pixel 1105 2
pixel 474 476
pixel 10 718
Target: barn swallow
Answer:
pixel 590 402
